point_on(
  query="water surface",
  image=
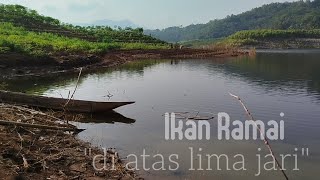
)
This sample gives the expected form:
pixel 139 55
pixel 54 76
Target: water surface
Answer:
pixel 271 83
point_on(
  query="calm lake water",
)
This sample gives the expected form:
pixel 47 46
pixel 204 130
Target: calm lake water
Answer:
pixel 271 83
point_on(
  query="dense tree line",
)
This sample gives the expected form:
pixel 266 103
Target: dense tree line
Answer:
pixel 288 15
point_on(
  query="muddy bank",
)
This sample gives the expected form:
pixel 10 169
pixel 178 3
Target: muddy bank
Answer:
pixel 17 65
pixel 31 153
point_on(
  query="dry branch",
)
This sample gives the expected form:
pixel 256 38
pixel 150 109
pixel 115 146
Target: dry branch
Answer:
pixel 262 134
pixel 25 162
pixel 9 123
pixel 188 116
pixel 31 111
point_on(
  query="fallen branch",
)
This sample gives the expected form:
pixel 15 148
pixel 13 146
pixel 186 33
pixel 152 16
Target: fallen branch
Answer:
pixel 51 156
pixel 263 135
pixel 25 162
pixel 8 123
pixel 188 116
pixel 31 111
pixel 21 140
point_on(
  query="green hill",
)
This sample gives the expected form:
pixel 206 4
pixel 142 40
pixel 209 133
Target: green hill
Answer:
pixel 25 31
pixel 271 39
pixel 30 20
pixel 288 15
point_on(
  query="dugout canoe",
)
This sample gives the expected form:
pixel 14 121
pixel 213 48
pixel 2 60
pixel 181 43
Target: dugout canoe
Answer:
pixel 79 106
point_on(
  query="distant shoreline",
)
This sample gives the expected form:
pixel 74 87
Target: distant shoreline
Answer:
pixel 17 65
pixel 284 44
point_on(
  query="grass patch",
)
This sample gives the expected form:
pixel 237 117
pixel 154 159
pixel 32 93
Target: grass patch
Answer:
pixel 17 39
pixel 252 37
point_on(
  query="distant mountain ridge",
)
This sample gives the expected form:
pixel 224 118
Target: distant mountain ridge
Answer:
pixel 111 23
pixel 288 15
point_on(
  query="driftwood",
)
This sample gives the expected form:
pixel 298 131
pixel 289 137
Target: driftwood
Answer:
pixel 266 142
pixel 188 116
pixel 9 123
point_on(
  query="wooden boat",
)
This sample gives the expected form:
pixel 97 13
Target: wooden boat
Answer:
pixel 59 103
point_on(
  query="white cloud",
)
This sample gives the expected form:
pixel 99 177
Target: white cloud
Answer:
pixel 150 13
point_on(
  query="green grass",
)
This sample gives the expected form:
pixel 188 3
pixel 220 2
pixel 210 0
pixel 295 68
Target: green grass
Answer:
pixel 270 33
pixel 31 20
pixel 17 39
pixel 251 37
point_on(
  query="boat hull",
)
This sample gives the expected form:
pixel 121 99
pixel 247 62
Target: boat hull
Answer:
pixel 59 103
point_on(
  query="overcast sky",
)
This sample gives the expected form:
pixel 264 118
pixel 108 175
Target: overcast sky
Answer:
pixel 146 13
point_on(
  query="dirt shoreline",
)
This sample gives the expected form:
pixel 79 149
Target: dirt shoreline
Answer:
pixel 31 153
pixel 16 65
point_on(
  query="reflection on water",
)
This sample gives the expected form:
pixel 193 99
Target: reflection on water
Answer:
pixel 271 83
pixel 100 118
pixel 38 85
pixel 281 72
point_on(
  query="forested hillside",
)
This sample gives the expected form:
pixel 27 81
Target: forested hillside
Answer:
pixel 294 15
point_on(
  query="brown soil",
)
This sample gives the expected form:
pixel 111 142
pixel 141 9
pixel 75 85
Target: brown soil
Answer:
pixel 119 57
pixel 29 153
pixel 16 65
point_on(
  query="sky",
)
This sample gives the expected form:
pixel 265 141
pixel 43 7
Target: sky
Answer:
pixel 153 14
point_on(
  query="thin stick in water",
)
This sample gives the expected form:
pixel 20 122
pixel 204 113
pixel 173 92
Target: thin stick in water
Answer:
pixel 266 142
pixel 75 89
